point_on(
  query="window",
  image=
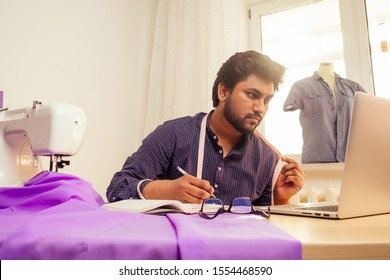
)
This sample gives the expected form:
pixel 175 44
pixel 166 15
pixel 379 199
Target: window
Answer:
pixel 301 34
pixel 287 38
pixel 378 14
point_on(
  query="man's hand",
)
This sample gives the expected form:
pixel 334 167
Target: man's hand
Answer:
pixel 187 189
pixel 289 182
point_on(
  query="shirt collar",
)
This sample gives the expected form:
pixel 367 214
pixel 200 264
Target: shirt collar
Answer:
pixel 239 148
pixel 317 77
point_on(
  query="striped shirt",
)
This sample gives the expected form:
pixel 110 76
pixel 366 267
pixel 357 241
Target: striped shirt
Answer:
pixel 246 171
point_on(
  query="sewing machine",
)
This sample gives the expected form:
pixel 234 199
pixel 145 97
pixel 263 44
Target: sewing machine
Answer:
pixel 55 130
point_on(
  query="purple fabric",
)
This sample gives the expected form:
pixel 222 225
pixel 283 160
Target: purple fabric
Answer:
pixel 232 236
pixel 45 190
pixel 57 216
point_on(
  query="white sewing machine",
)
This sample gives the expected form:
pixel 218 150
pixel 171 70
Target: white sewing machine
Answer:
pixel 55 130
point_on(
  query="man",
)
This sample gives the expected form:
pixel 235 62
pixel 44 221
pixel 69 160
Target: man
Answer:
pixel 220 151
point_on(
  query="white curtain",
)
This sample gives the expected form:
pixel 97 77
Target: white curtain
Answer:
pixel 191 41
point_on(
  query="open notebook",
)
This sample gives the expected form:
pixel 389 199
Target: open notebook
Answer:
pixel 365 187
pixel 151 206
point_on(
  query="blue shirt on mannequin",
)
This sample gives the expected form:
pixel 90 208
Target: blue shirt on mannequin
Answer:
pixel 324 120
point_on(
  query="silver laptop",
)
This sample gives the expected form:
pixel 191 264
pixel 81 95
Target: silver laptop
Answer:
pixel 365 186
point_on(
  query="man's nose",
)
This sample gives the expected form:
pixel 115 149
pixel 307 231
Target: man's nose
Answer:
pixel 259 106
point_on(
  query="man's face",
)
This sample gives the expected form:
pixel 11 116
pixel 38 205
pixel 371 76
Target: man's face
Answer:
pixel 247 104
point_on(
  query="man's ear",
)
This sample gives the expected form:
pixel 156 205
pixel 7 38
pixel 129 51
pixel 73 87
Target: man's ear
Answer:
pixel 222 92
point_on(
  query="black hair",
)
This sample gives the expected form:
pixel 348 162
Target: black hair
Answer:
pixel 242 64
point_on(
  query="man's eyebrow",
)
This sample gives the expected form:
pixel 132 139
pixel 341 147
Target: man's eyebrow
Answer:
pixel 255 90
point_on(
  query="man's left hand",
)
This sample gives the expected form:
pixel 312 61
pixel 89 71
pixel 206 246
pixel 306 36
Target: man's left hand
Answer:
pixel 289 182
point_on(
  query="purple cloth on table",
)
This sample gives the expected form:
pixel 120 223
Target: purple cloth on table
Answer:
pixel 58 216
pixel 233 236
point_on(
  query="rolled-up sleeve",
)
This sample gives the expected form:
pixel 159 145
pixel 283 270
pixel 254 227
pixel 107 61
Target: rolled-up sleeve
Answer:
pixel 294 98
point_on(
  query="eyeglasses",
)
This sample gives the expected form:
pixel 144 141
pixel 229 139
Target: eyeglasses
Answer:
pixel 212 207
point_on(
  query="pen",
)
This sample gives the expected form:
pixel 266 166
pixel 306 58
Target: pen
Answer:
pixel 182 171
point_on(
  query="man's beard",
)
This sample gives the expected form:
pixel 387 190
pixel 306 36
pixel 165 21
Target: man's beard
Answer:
pixel 236 121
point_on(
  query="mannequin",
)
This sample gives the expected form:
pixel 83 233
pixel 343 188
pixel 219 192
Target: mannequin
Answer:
pixel 325 122
pixel 325 70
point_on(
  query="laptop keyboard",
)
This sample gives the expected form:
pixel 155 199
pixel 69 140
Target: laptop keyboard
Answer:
pixel 326 208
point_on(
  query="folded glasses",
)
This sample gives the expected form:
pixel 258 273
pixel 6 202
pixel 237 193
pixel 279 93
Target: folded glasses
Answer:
pixel 212 207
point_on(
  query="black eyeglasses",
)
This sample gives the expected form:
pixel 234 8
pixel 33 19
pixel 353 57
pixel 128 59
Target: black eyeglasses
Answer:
pixel 212 207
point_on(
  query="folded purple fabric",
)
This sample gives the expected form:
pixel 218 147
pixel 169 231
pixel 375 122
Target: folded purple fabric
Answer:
pixel 234 237
pixel 48 189
pixel 84 234
pixel 57 216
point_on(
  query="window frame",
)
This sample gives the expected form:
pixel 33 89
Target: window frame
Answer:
pixel 354 26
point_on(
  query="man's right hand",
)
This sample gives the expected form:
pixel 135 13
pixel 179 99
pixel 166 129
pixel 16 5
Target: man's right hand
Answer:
pixel 187 189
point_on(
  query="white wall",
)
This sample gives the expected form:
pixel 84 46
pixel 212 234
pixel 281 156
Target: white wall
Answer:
pixel 91 53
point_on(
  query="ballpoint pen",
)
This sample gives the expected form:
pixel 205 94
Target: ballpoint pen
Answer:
pixel 182 171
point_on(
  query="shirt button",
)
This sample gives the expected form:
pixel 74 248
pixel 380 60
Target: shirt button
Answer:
pixel 215 137
pixel 219 168
pixel 220 151
pixel 216 186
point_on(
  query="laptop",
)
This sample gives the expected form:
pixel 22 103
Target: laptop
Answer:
pixel 365 186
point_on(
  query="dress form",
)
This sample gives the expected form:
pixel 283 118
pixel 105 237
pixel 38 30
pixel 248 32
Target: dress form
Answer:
pixel 325 70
